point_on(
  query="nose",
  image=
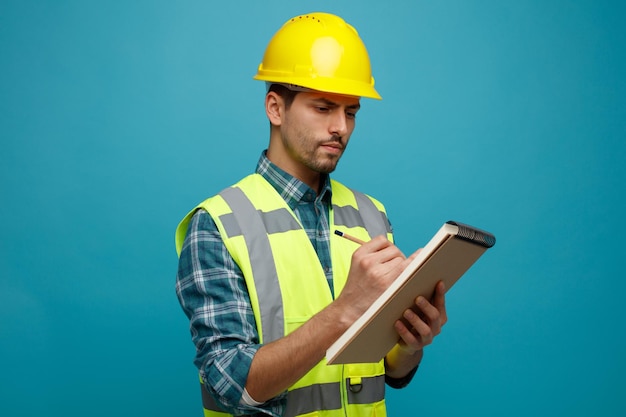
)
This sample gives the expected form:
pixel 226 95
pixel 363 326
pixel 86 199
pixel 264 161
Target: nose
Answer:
pixel 339 123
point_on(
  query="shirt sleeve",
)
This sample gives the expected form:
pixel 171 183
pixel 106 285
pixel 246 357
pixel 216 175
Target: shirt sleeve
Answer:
pixel 213 294
pixel 399 383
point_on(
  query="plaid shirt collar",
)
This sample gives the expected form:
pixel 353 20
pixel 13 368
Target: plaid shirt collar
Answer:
pixel 291 189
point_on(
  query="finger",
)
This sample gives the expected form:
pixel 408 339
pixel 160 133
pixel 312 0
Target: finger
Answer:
pixel 376 244
pixel 422 330
pixel 377 251
pixel 439 301
pixel 409 338
pixel 381 252
pixel 431 314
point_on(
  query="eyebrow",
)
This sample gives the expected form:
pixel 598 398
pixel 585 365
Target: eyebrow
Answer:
pixel 330 103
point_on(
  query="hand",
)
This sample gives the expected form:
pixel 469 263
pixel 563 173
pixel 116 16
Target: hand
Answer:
pixel 374 265
pixel 423 323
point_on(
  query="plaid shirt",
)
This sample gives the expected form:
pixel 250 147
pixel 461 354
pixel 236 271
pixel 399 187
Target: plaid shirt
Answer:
pixel 213 293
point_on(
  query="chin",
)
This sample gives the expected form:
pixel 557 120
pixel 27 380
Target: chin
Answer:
pixel 327 169
pixel 324 165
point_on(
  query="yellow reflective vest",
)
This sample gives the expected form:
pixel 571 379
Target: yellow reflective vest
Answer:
pixel 257 226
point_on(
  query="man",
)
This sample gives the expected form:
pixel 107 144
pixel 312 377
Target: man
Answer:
pixel 265 283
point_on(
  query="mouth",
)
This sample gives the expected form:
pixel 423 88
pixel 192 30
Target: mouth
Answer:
pixel 334 147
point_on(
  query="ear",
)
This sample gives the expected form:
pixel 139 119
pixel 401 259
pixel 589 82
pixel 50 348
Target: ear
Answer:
pixel 274 108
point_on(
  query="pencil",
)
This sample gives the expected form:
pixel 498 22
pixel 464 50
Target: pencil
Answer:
pixel 347 236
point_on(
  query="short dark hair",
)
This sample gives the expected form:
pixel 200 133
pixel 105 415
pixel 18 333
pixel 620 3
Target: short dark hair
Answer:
pixel 285 93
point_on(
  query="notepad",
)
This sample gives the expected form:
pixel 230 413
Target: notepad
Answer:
pixel 446 257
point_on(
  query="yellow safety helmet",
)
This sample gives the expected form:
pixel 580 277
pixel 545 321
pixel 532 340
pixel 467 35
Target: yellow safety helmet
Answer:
pixel 319 51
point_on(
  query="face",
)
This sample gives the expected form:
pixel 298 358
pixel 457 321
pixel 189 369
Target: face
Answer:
pixel 314 132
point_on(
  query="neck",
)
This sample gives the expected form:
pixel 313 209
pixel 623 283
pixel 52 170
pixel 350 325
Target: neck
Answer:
pixel 311 178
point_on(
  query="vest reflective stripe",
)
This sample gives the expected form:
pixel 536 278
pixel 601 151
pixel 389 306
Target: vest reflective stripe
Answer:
pixel 348 216
pixel 328 396
pixel 276 221
pixel 320 396
pixel 259 250
pixel 369 390
pixel 313 398
pixel 371 216
pixel 367 216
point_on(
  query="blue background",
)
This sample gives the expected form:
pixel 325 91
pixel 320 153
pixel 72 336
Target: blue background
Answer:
pixel 117 117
